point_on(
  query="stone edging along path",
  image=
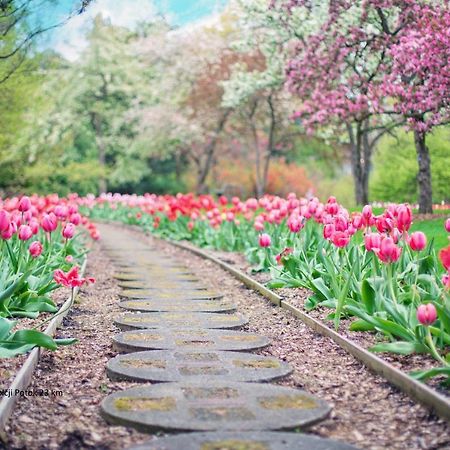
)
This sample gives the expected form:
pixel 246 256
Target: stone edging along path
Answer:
pixel 200 394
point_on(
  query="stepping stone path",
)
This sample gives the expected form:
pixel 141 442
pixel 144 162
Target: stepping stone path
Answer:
pixel 206 381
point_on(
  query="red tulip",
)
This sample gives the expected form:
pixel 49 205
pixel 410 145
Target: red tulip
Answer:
pixel 68 231
pixel 444 256
pixel 25 232
pixel 417 241
pixel 265 240
pixel 35 249
pixel 24 204
pixel 426 314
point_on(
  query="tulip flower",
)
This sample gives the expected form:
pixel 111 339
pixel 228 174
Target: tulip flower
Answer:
pixel 8 233
pixel 444 256
pixel 25 232
pixel 35 249
pixel 367 216
pixel 49 223
pixel 426 314
pixel 75 218
pixel 24 204
pixel 372 241
pixel 340 239
pixel 68 231
pixel 70 279
pixel 5 220
pixel 404 218
pixel 388 251
pixel 258 226
pixel 264 240
pixel 294 225
pixel 328 231
pixel 447 225
pixel 446 280
pixel 417 241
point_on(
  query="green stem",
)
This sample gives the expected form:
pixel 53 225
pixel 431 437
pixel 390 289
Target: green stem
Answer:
pixel 434 352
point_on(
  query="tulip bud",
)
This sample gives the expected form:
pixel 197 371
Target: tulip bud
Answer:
pixel 444 256
pixel 404 218
pixel 25 232
pixel 426 314
pixel 49 223
pixel 75 218
pixel 417 241
pixel 68 231
pixel 4 221
pixel 35 249
pixel 447 225
pixel 24 204
pixel 265 240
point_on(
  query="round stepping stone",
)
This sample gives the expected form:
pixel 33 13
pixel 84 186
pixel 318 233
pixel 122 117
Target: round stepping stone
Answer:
pixel 176 305
pixel 192 339
pixel 228 440
pixel 161 284
pixel 143 276
pixel 169 294
pixel 213 406
pixel 155 271
pixel 178 319
pixel 207 365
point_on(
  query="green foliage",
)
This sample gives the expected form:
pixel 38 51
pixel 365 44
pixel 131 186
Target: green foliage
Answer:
pixel 395 167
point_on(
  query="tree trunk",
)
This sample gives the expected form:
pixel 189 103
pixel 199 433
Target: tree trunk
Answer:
pixel 203 169
pixel 360 175
pixel 424 174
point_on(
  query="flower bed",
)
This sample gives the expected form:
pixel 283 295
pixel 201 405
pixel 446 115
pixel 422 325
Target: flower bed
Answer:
pixel 41 238
pixel 370 270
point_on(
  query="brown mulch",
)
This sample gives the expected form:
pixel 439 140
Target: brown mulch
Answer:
pixel 368 412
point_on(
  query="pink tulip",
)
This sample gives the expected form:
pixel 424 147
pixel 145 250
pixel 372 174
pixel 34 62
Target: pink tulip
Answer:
pixel 294 225
pixel 340 239
pixel 25 232
pixel 258 226
pixel 426 314
pixel 265 240
pixel 388 251
pixel 372 241
pixel 35 249
pixel 5 220
pixel 446 280
pixel 68 231
pixel 24 204
pixel 61 212
pixel 34 225
pixel 49 223
pixel 417 241
pixel 328 231
pixel 75 218
pixel 447 225
pixel 404 218
pixel 8 233
pixel 367 216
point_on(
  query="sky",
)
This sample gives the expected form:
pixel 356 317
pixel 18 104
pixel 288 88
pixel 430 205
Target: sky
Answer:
pixel 69 39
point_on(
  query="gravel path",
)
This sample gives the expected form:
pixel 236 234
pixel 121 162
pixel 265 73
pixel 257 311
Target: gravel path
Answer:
pixel 367 411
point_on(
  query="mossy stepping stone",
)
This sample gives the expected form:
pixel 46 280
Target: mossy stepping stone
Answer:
pixel 249 440
pixel 213 406
pixel 173 294
pixel 162 284
pixel 177 306
pixel 207 365
pixel 179 319
pixel 187 339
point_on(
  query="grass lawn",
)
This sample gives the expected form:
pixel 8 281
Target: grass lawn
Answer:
pixel 433 229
